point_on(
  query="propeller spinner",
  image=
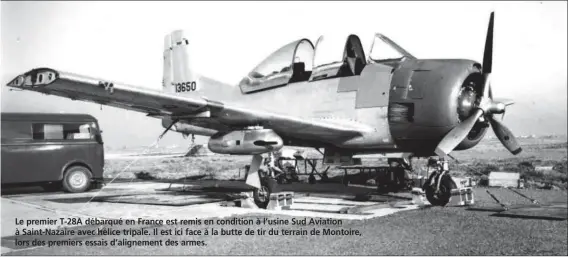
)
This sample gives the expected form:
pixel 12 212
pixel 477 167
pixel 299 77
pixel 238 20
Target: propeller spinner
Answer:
pixel 486 107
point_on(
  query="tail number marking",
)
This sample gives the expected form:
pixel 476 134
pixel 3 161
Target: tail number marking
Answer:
pixel 185 86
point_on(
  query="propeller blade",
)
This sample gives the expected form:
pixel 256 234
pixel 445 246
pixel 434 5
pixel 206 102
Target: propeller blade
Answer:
pixel 488 52
pixel 456 135
pixel 488 59
pixel 486 90
pixel 505 136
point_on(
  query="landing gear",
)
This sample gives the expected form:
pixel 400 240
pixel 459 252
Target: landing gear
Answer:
pixel 439 196
pixel 262 195
pixel 261 181
pixel 438 187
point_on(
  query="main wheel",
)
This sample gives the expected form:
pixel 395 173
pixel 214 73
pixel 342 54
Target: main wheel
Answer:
pixel 77 179
pixel 262 195
pixel 443 196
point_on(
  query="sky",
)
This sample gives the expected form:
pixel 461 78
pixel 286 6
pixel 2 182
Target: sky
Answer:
pixel 123 41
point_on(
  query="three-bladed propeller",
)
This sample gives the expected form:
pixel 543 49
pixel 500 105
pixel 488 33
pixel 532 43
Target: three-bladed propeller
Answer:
pixel 486 108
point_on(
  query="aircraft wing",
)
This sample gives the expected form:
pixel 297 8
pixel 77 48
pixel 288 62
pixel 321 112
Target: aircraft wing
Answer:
pixel 191 110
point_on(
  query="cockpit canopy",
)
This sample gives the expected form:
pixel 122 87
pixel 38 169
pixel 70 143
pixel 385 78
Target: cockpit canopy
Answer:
pixel 290 63
pixel 337 56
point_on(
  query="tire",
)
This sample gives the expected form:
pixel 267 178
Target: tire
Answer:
pixel 262 195
pixel 77 179
pixel 443 197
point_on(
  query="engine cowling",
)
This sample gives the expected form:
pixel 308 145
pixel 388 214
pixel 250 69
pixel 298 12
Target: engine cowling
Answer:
pixel 245 142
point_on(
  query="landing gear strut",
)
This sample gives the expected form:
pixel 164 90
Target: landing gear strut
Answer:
pixel 438 187
pixel 261 181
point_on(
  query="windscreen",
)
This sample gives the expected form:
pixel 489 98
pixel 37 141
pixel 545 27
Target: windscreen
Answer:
pixel 384 49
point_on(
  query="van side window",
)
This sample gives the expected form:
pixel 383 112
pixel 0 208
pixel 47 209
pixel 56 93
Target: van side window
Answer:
pixel 16 130
pixel 78 131
pixel 66 131
pixel 47 131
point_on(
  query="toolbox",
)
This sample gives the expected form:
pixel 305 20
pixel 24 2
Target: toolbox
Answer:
pixel 461 197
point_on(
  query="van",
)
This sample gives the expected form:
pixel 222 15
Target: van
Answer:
pixel 54 150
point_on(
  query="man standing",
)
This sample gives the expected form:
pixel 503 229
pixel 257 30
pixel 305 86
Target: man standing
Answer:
pixel 398 172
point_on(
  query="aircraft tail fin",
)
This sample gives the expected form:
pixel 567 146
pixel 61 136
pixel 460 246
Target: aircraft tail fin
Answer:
pixel 180 78
pixel 179 75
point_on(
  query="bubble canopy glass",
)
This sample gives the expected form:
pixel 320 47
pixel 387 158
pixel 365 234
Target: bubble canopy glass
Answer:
pixel 290 63
pixel 335 56
pixel 338 56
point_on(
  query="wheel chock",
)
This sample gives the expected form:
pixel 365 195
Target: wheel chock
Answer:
pixel 461 197
pixel 419 197
pixel 245 200
pixel 280 200
pixel 248 203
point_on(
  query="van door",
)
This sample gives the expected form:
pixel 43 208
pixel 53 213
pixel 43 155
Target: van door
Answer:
pixel 99 150
pixel 16 139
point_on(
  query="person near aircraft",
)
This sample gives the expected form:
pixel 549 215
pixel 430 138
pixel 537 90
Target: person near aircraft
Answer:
pixel 273 169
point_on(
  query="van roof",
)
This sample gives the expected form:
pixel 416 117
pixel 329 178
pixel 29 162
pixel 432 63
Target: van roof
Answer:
pixel 29 116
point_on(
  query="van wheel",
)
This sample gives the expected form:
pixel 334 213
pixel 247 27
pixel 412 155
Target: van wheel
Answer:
pixel 77 179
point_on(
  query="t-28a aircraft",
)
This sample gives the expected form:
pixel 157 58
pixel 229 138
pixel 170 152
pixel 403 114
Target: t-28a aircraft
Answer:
pixel 334 96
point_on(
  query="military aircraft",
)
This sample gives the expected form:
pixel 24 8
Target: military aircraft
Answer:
pixel 334 96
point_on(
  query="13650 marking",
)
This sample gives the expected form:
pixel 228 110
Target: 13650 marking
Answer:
pixel 185 86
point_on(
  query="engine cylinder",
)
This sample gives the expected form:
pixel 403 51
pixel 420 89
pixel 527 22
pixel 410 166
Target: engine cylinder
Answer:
pixel 245 142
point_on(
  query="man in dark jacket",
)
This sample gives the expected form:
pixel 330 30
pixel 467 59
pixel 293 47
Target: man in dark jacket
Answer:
pixel 398 169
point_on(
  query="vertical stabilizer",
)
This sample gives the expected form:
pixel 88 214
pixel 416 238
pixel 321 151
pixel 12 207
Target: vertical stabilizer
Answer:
pixel 179 75
pixel 167 78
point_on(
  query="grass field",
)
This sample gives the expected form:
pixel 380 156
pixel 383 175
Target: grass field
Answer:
pixel 486 157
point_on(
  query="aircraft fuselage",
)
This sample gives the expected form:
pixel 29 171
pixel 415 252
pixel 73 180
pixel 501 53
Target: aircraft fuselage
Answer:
pixel 409 105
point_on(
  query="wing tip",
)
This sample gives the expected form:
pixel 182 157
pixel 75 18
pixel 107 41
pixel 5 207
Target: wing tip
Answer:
pixel 517 151
pixel 18 81
pixel 34 77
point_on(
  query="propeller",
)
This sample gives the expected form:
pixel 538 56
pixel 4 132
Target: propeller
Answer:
pixel 486 107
